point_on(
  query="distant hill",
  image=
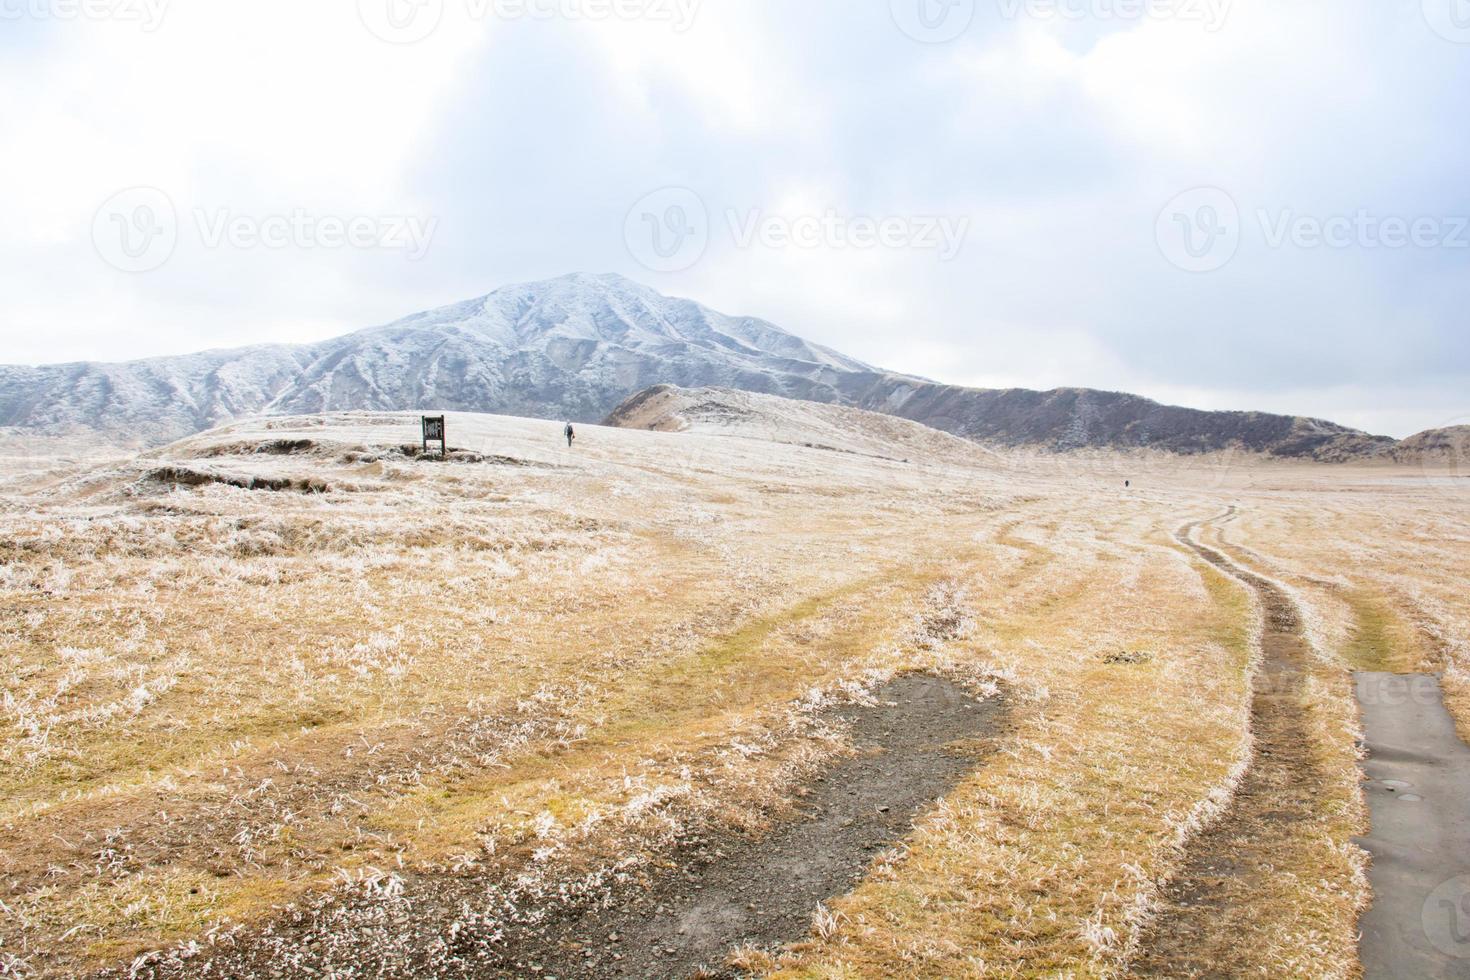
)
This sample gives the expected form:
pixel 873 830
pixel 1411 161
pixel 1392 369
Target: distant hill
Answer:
pixel 576 347
pixel 1081 418
pixel 838 428
pixel 1436 446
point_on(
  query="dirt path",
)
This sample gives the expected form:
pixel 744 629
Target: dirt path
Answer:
pixel 1213 909
pixel 730 891
pixel 709 894
pixel 1418 790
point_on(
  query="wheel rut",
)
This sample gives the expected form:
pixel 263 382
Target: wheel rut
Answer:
pixel 1211 911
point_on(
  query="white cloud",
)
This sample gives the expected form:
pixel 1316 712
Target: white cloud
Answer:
pixel 261 110
pixel 1059 142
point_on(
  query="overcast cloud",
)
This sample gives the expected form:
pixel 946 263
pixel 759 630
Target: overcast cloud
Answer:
pixel 1249 204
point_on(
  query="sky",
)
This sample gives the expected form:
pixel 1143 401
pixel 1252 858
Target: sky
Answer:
pixel 1254 204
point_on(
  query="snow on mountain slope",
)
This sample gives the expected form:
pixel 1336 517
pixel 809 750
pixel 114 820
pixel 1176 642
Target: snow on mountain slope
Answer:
pixel 723 411
pixel 572 347
pixel 576 347
pixel 150 401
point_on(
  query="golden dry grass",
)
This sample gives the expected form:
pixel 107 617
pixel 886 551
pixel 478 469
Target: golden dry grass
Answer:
pixel 1380 557
pixel 217 699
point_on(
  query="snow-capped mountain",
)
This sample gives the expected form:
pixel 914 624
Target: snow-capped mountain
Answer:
pixel 575 348
pixel 572 347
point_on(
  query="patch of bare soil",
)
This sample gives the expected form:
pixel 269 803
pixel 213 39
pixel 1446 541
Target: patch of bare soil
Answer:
pixel 1207 912
pixel 415 452
pixel 179 476
pixel 679 915
pixel 272 447
pixel 726 891
pixel 348 454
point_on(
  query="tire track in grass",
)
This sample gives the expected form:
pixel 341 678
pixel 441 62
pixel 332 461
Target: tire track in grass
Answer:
pixel 1219 915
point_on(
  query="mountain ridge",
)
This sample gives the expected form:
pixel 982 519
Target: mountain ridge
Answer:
pixel 576 347
pixel 573 346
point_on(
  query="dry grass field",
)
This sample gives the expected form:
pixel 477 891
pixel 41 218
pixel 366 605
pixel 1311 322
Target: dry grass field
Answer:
pixel 288 665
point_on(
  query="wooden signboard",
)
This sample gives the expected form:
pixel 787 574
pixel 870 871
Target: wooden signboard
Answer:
pixel 434 432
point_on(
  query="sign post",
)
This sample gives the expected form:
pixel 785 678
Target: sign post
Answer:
pixel 434 432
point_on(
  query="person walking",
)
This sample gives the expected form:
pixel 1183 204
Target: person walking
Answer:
pixel 571 435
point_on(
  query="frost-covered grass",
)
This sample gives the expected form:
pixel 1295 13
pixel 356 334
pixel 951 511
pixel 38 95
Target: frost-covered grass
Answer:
pixel 1049 857
pixel 1381 564
pixel 533 666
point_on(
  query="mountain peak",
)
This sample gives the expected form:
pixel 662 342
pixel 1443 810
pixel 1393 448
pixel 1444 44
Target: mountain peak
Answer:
pixel 584 283
pixel 576 346
pixel 569 347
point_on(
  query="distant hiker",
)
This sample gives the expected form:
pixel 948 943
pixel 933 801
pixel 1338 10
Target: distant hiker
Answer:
pixel 1127 484
pixel 571 435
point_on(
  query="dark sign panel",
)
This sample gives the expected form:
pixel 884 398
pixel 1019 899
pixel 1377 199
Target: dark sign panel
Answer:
pixel 434 432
